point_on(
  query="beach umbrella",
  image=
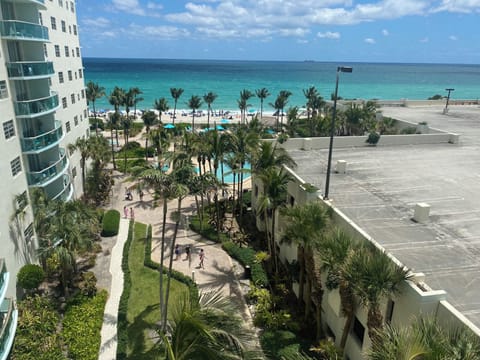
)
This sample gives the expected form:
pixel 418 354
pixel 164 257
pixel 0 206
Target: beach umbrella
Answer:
pixel 270 131
pixel 224 121
pixel 220 127
pixel 169 126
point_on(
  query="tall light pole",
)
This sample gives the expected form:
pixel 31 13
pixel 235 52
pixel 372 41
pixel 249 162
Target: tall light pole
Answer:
pixel 346 69
pixel 448 99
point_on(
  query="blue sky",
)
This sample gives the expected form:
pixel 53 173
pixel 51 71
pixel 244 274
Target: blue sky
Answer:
pixel 444 31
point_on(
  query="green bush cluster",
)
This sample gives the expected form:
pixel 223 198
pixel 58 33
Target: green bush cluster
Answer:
pixel 111 223
pixel 207 230
pixel 122 324
pixel 30 276
pixel 36 336
pixel 246 256
pixel 82 325
pixel 280 344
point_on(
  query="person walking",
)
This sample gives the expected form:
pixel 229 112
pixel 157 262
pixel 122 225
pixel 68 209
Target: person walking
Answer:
pixel 177 252
pixel 125 211
pixel 132 214
pixel 187 252
pixel 201 256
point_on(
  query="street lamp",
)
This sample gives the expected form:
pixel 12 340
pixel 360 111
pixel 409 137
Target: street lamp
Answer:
pixel 345 69
pixel 448 98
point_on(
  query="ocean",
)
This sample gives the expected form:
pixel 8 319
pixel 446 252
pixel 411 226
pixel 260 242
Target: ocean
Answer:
pixel 226 78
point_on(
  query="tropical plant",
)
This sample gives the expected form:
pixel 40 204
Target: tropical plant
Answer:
pixel 176 93
pixel 94 92
pixel 162 106
pixel 373 138
pixel 243 104
pixel 262 94
pixel 209 98
pixel 83 146
pixel 116 99
pixel 194 103
pixel 135 91
pixel 149 118
pixel 30 276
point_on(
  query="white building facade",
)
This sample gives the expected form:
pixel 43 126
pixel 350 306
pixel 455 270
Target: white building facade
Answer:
pixel 43 108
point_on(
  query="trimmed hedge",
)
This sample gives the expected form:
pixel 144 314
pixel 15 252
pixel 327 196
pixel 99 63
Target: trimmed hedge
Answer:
pixel 111 223
pixel 246 256
pixel 84 316
pixel 30 276
pixel 122 323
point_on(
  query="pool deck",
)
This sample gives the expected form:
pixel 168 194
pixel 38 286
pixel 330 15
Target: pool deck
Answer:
pixel 383 184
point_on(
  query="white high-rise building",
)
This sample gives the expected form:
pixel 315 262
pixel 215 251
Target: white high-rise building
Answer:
pixel 43 108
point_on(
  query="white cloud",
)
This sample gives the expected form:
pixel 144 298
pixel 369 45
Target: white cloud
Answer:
pixel 458 6
pixel 161 32
pixel 369 41
pixel 302 41
pixel 100 22
pixel 152 5
pixel 329 35
pixel 110 34
pixel 128 6
pixel 453 37
pixel 385 32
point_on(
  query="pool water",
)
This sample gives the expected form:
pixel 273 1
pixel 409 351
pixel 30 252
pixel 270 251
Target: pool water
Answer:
pixel 229 178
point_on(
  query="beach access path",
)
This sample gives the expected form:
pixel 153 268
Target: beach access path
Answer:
pixel 220 273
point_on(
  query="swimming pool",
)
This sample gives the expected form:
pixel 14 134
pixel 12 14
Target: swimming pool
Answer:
pixel 229 178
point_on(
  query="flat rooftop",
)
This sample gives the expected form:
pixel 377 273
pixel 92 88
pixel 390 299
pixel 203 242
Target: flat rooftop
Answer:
pixel 384 183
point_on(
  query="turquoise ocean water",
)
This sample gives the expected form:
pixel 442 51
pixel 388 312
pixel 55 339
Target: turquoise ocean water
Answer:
pixel 227 78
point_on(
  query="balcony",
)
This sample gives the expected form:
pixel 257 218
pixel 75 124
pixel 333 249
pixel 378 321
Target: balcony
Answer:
pixel 37 107
pixel 8 326
pixel 43 141
pixel 30 70
pixel 67 192
pixel 20 30
pixel 50 173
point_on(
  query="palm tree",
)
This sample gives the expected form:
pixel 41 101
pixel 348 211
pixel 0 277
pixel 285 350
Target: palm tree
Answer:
pixel 162 106
pixel 113 120
pixel 94 92
pixel 116 99
pixel 194 103
pixel 245 95
pixel 274 195
pixel 423 339
pixel 262 94
pixel 82 145
pixel 374 277
pixel 205 328
pixel 337 251
pixel 311 94
pixel 269 155
pixel 209 98
pixel 176 93
pixel 149 118
pixel 305 227
pixel 136 99
pixel 283 100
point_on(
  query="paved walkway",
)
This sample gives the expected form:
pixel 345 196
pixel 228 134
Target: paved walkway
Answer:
pixel 220 273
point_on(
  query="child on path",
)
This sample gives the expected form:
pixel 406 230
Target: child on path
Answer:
pixel 202 257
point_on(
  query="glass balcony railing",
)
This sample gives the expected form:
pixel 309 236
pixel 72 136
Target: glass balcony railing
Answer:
pixel 67 191
pixel 30 108
pixel 8 313
pixel 41 141
pixel 30 69
pixel 21 30
pixel 52 170
pixel 3 275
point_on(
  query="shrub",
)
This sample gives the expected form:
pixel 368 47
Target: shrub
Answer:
pixel 111 223
pixel 30 276
pixel 280 344
pixel 84 315
pixel 247 256
pixel 88 285
pixel 373 138
pixel 408 130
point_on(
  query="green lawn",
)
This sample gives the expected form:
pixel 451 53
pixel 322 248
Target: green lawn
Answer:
pixel 143 310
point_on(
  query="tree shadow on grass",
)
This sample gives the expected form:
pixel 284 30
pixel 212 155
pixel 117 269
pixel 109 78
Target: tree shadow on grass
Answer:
pixel 140 334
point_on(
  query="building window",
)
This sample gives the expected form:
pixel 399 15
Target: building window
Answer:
pixel 78 97
pixel 77 49
pixel 88 133
pixel 74 172
pixel 74 29
pixel 69 75
pixel 57 50
pixel 60 3
pixel 67 52
pixel 292 200
pixel 83 93
pixel 64 26
pixel 40 18
pixel 16 166
pixel 71 7
pixel 64 102
pixel 75 120
pixel 3 89
pixel 72 98
pixel 80 73
pixel 67 126
pixel 85 113
pixel 22 201
pixel 28 233
pixel 8 129
pixel 69 29
pixel 60 77
pixel 45 50
pixel 53 22
pixel 358 330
